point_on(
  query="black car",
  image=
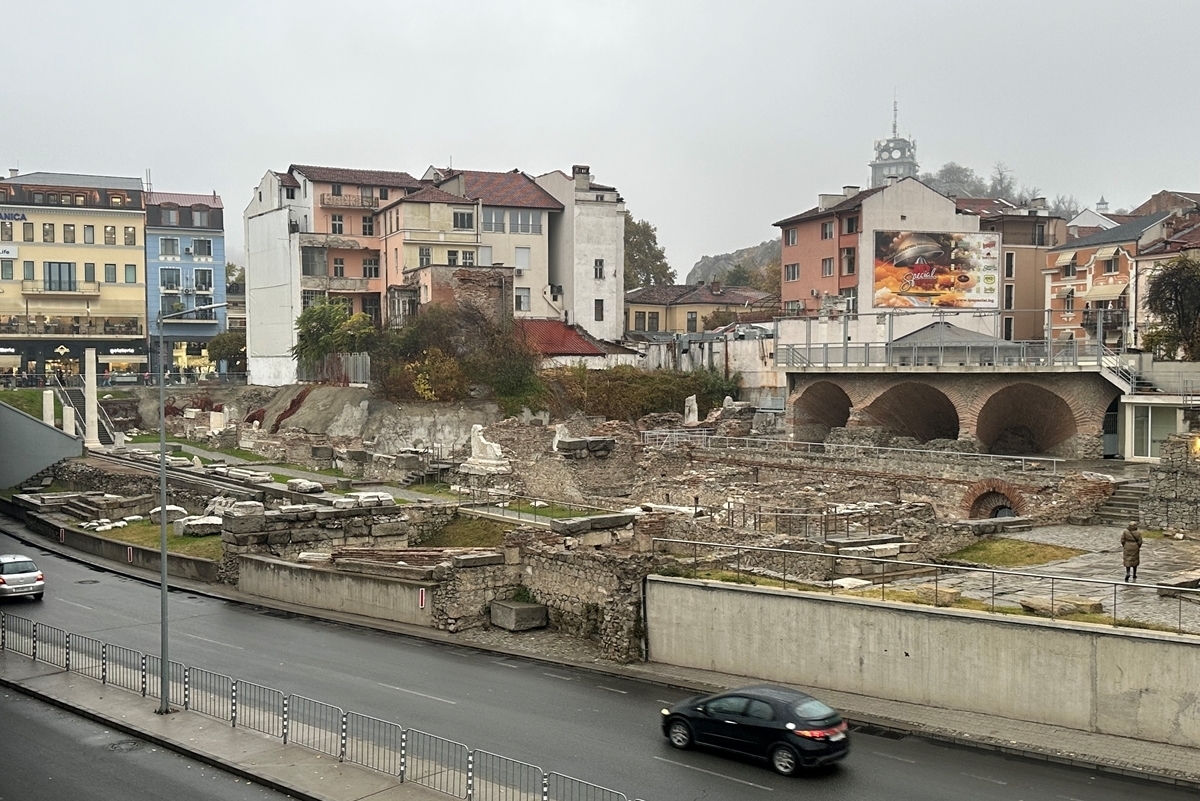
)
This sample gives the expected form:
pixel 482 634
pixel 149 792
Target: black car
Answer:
pixel 788 728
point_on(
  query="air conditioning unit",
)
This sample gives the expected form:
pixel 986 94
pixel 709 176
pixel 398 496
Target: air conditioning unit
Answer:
pixel 816 293
pixel 518 271
pixel 187 251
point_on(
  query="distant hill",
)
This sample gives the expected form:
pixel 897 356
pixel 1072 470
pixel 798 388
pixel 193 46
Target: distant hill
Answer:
pixel 754 257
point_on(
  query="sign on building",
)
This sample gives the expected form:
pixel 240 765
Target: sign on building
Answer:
pixel 920 269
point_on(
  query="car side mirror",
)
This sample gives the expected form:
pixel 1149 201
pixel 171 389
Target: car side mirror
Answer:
pixel 702 710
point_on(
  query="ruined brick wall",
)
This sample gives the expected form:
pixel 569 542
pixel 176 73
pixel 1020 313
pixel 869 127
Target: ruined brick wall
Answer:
pixel 1173 500
pixel 464 595
pixel 81 475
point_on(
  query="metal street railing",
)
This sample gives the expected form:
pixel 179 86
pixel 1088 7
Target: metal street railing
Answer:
pixel 995 586
pixel 410 755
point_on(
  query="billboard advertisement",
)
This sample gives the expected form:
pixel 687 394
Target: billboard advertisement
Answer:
pixel 920 269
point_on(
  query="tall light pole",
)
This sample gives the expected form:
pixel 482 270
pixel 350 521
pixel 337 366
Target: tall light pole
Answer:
pixel 164 681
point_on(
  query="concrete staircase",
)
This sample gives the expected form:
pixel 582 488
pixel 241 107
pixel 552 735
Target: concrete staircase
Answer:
pixel 73 396
pixel 1121 508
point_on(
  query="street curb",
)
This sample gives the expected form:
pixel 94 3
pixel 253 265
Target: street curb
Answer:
pixel 179 748
pixel 402 630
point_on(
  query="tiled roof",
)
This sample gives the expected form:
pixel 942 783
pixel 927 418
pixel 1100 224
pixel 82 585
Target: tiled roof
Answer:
pixel 213 201
pixel 1127 232
pixel 846 205
pixel 1186 238
pixel 287 179
pixel 675 295
pixel 984 206
pixel 556 338
pixel 73 180
pixel 431 194
pixel 504 189
pixel 342 175
pixel 1082 231
pixel 661 295
pixel 1121 219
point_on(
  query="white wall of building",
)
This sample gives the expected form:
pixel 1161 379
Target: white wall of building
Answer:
pixel 272 297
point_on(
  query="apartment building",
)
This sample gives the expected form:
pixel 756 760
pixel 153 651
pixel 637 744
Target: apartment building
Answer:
pixel 72 272
pixel 185 269
pixel 681 309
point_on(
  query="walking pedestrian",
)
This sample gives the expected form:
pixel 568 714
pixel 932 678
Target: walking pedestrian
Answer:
pixel 1131 549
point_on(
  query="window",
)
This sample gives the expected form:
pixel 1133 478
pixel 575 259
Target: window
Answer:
pixel 371 308
pixel 5 232
pixel 1069 302
pixel 599 309
pixel 1009 295
pixel 202 248
pixel 827 230
pixel 170 216
pixel 521 299
pixel 521 221
pixel 424 257
pixel 791 307
pixel 1008 328
pixel 168 246
pixel 791 272
pixel 1069 270
pixel 493 220
pixel 339 268
pixel 468 258
pixel 200 220
pixel 47 232
pixel 290 193
pixel 464 220
pixel 52 197
pixel 204 314
pixel 383 193
pixel 130 235
pixel 850 225
pixel 849 260
pixel 110 234
pixel 116 201
pixel 827 267
pixel 312 262
pixel 789 236
pixel 89 234
pixel 371 267
pixel 652 321
pixel 203 278
pixel 68 233
pixel 6 269
pixel 485 255
pixel 759 710
pixel 168 279
pixel 28 270
pixel 1113 265
pixel 368 228
pixel 336 190
pixel 639 321
pixel 310 297
pixel 729 705
pixel 27 231
pixel 452 258
pixel 1039 234
pixel 89 272
pixel 58 276
pixel 65 200
pixel 131 273
pixel 110 273
pixel 1010 264
pixel 850 298
pixel 691 322
pixel 79 200
pixel 522 258
pixel 38 197
pixel 336 224
pixel 598 269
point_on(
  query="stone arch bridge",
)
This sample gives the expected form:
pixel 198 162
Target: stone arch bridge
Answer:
pixel 1055 413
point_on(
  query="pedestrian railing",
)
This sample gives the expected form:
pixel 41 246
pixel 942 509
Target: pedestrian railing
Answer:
pixel 998 591
pixel 524 507
pixel 410 755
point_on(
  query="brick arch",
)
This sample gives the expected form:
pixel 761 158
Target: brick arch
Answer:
pixel 983 498
pixel 915 409
pixel 1026 417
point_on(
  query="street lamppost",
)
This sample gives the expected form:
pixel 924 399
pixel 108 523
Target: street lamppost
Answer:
pixel 164 680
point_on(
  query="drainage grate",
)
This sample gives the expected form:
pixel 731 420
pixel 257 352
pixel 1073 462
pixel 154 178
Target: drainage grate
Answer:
pixel 127 745
pixel 87 581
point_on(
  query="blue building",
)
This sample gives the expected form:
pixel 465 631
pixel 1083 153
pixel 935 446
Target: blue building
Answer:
pixel 185 268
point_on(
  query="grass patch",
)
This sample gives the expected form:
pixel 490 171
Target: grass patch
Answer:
pixel 29 401
pixel 146 534
pixel 553 511
pixel 469 532
pixel 435 488
pixel 238 453
pixel 1004 552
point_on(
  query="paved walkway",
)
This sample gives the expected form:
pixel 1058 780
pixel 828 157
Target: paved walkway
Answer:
pixel 1140 758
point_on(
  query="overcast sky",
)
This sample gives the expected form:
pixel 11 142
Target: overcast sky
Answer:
pixel 713 119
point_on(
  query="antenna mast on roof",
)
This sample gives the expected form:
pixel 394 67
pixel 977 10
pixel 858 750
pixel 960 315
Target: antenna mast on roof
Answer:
pixel 895 113
pixel 149 184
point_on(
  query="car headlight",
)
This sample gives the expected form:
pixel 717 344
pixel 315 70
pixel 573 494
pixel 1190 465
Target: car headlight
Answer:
pixel 665 711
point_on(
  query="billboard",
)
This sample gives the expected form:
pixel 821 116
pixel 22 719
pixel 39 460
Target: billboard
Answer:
pixel 920 269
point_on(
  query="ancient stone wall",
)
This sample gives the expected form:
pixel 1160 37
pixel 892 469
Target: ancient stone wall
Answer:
pixel 82 476
pixel 1173 500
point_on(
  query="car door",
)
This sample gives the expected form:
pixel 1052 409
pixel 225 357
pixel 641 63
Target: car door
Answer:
pixel 759 727
pixel 721 721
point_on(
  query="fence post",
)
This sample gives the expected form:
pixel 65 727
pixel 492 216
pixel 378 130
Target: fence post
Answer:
pixel 470 775
pixel 233 703
pixel 68 660
pixel 187 687
pixel 144 677
pixel 104 663
pixel 3 630
pixel 545 786
pixel 342 745
pixel 403 753
pixel 285 720
pixel 1052 599
pixel 35 625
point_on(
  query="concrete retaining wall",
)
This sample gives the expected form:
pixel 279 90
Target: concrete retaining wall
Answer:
pixel 322 588
pixel 1127 683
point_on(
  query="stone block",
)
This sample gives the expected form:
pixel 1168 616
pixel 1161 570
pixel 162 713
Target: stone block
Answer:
pixel 592 539
pixel 851 583
pixel 173 513
pixel 244 524
pixel 390 528
pixel 565 444
pixel 571 525
pixel 247 508
pixel 305 486
pixel 200 526
pixel 476 559
pixel 605 444
pixel 518 616
pixel 1041 605
pixel 345 503
pixel 938 596
pixel 132 518
pixel 358 456
pixel 1083 604
pixel 909 547
pixel 1170 586
pixel 889 551
pixel 321 451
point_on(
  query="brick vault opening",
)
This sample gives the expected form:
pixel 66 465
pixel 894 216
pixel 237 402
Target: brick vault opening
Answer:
pixel 916 410
pixel 1024 419
pixel 821 407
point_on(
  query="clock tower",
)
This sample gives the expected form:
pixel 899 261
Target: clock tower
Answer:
pixel 894 158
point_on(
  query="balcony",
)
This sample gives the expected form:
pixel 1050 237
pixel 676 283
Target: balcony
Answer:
pixel 41 326
pixel 77 288
pixel 1106 318
pixel 327 283
pixel 350 201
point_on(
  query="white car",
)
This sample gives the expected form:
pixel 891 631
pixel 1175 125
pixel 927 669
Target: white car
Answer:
pixel 20 576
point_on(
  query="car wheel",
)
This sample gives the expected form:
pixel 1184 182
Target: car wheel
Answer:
pixel 37 597
pixel 680 734
pixel 784 760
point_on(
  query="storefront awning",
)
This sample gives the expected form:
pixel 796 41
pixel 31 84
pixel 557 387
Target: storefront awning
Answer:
pixel 1064 258
pixel 1103 254
pixel 1066 334
pixel 1106 292
pixel 1065 292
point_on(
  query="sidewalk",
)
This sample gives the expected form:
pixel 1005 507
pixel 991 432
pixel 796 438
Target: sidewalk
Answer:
pixel 1137 758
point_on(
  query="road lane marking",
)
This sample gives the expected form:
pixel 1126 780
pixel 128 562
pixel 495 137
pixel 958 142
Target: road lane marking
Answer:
pixel 72 603
pixel 556 676
pixel 898 758
pixel 414 692
pixel 714 773
pixel 982 778
pixel 504 664
pixel 214 642
pixel 611 690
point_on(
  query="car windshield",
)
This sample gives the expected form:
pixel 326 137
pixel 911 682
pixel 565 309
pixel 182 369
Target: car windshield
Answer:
pixel 812 709
pixel 11 568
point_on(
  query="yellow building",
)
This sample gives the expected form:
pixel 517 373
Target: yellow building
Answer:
pixel 675 309
pixel 72 273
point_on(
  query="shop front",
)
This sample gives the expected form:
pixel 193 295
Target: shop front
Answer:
pixel 26 360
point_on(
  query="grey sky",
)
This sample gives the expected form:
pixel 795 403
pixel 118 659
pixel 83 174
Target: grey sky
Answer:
pixel 713 118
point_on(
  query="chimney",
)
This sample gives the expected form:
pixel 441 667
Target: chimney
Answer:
pixel 829 201
pixel 891 180
pixel 13 172
pixel 850 191
pixel 715 286
pixel 1037 203
pixel 583 176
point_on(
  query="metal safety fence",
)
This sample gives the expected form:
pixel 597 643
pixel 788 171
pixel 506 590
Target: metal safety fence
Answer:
pixel 410 755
